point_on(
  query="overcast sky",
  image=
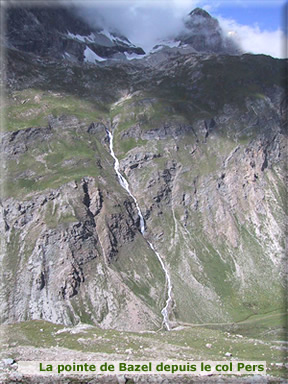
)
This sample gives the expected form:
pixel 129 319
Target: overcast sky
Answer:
pixel 258 26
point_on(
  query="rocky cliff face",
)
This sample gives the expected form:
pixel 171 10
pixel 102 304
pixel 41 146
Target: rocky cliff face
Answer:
pixel 201 140
pixel 213 184
pixel 57 32
pixel 66 246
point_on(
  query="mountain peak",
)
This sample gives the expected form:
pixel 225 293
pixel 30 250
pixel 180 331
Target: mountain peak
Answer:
pixel 200 12
pixel 204 34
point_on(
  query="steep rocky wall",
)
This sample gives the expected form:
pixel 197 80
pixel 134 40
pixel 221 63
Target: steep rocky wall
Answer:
pixel 70 251
pixel 213 194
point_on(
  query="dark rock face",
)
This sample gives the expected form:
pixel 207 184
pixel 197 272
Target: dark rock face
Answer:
pixel 58 32
pixel 204 34
pixel 200 12
pixel 19 141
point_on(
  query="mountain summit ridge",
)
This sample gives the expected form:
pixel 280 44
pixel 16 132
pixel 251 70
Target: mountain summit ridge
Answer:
pixel 61 33
pixel 58 32
pixel 204 33
pixel 200 12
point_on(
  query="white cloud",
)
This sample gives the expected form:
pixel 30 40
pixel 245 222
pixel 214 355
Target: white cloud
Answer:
pixel 254 40
pixel 146 21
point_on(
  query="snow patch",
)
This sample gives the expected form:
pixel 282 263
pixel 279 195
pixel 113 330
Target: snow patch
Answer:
pixel 91 57
pixel 77 37
pixel 116 39
pixel 132 56
pixel 164 44
pixel 91 37
pixel 104 34
pixel 107 34
pixel 171 43
pixel 83 38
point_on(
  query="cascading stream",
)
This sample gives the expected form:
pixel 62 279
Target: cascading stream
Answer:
pixel 169 285
pixel 124 184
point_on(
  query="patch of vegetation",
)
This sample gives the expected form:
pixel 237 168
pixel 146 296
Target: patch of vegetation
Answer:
pixel 256 339
pixel 52 163
pixel 144 264
pixel 32 108
pixel 125 145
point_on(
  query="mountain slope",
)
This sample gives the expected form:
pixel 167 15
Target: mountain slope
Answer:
pixel 208 173
pixel 201 141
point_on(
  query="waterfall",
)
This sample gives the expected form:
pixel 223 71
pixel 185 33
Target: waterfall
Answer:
pixel 124 184
pixel 164 311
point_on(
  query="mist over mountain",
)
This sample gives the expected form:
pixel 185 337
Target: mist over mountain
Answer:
pixel 60 32
pixel 151 25
pixel 204 33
